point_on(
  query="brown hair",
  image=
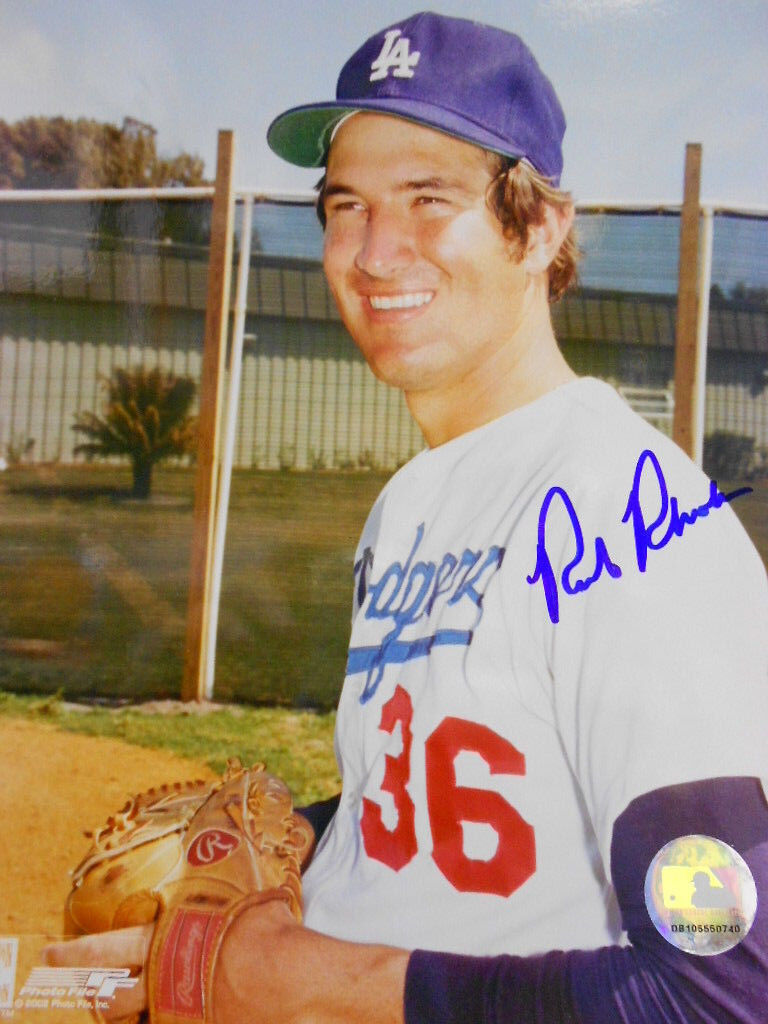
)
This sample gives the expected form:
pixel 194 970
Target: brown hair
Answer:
pixel 517 196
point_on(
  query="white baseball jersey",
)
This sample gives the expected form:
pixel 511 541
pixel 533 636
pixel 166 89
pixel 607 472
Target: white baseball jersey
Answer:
pixel 554 614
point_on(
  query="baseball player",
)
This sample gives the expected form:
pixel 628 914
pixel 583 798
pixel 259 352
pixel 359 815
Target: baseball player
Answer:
pixel 556 669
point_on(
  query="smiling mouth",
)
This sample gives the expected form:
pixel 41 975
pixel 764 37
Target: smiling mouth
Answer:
pixel 405 300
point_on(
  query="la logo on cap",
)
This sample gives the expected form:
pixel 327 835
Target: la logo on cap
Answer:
pixel 395 53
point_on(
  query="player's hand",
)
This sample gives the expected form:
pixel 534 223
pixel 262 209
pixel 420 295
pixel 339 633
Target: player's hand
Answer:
pixel 127 947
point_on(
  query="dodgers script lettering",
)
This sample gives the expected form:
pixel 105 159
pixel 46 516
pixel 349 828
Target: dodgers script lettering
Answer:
pixel 651 532
pixel 407 593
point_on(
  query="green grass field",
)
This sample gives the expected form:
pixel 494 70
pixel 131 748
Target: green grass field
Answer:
pixel 94 586
pixel 296 745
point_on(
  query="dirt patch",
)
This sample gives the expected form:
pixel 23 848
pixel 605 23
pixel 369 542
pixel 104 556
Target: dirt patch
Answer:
pixel 55 785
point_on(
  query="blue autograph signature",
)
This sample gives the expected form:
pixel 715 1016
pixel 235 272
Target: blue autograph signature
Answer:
pixel 649 536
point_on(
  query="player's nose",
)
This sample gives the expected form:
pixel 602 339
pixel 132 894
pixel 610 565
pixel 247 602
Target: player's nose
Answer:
pixel 386 246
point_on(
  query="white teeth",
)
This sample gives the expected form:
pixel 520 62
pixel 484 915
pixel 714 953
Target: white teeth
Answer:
pixel 406 300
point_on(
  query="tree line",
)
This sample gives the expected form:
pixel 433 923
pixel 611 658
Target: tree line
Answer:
pixel 56 152
pixel 740 295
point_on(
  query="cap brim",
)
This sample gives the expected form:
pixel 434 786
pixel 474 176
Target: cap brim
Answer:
pixel 302 135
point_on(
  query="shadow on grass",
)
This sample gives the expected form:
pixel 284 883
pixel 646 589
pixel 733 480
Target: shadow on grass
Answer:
pixel 71 492
pixel 84 494
pixel 88 484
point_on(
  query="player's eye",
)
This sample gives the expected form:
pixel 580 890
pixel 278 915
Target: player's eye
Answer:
pixel 431 200
pixel 335 206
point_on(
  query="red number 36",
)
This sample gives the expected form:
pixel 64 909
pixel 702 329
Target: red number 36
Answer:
pixel 449 805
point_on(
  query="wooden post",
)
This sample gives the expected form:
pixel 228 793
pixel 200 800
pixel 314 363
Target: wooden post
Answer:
pixel 684 430
pixel 206 479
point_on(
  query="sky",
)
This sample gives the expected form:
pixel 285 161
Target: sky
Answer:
pixel 638 79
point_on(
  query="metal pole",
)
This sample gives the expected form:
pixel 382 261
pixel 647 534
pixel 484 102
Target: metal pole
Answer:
pixel 702 332
pixel 228 447
pixel 206 476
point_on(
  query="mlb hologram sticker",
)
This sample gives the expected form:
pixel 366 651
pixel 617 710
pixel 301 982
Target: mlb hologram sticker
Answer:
pixel 700 895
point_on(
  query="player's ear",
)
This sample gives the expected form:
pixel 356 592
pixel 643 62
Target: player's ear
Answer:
pixel 545 239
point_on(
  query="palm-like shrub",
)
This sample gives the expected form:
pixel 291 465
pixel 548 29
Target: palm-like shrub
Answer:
pixel 146 419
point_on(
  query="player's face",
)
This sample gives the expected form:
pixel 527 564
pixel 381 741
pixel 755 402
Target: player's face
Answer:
pixel 422 275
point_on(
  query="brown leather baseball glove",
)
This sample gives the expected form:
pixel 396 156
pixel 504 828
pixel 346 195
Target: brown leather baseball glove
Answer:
pixel 192 856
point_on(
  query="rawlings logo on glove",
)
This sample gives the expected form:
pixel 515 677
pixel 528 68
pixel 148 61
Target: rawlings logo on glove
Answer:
pixel 210 847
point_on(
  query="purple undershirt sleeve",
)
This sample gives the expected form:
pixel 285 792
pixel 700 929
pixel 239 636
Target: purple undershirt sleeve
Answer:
pixel 319 814
pixel 649 981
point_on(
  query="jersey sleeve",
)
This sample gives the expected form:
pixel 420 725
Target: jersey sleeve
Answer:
pixel 649 981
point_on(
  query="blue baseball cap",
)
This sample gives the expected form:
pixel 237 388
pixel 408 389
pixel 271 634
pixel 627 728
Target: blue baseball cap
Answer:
pixel 472 81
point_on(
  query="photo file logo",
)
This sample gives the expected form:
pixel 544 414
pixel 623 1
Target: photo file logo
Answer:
pixel 87 982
